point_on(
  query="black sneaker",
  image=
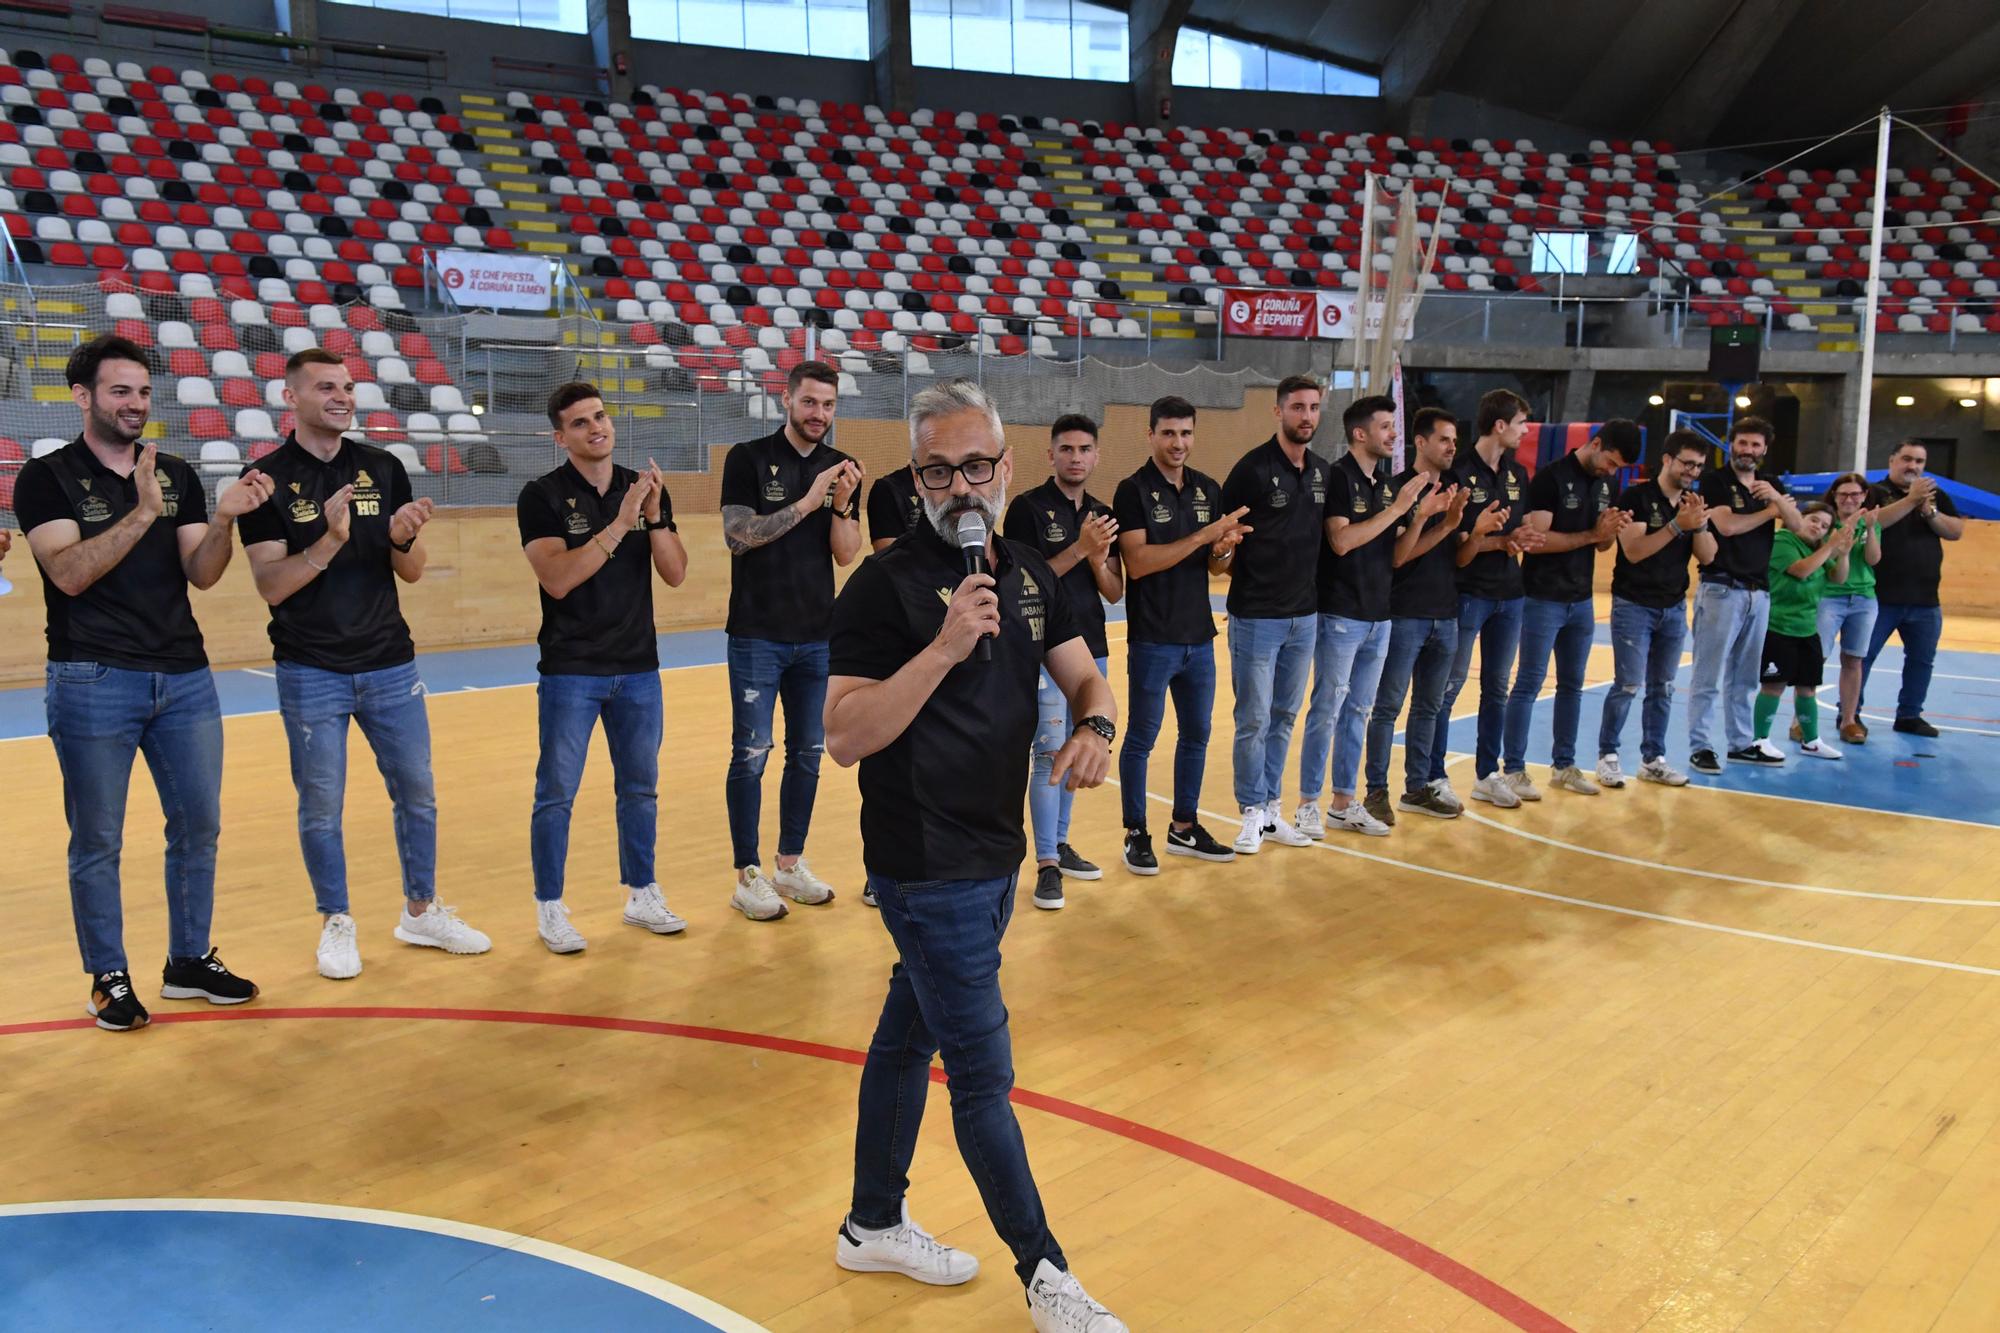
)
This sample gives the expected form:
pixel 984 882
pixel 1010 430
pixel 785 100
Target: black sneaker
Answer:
pixel 1074 866
pixel 1757 753
pixel 1139 857
pixel 868 897
pixel 1426 801
pixel 114 1004
pixel 204 979
pixel 1704 761
pixel 1376 803
pixel 1048 888
pixel 1195 841
pixel 1915 726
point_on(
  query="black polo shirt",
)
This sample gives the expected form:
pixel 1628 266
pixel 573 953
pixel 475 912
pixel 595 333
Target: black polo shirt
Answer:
pixel 1745 559
pixel 1273 576
pixel 943 800
pixel 1045 519
pixel 782 590
pixel 137 616
pixel 1573 499
pixel 1425 588
pixel 1661 579
pixel 604 627
pixel 1494 575
pixel 1912 553
pixel 347 619
pixel 1356 585
pixel 893 505
pixel 1171 605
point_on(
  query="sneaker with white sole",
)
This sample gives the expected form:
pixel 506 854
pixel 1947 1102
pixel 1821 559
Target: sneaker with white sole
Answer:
pixel 1354 818
pixel 440 928
pixel 907 1249
pixel 756 897
pixel 1446 796
pixel 339 951
pixel 1250 837
pixel 1058 1303
pixel 645 907
pixel 1570 778
pixel 1494 790
pixel 1759 751
pixel 1426 801
pixel 1522 785
pixel 1609 774
pixel 1660 771
pixel 552 923
pixel 1819 749
pixel 798 883
pixel 1307 820
pixel 1278 829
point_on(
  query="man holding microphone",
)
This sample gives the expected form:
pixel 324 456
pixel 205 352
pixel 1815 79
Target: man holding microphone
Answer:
pixel 942 732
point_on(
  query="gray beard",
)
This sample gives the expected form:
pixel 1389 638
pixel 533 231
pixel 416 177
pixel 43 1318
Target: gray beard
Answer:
pixel 944 516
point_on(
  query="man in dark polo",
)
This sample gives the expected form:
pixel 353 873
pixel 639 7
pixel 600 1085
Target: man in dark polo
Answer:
pixel 595 534
pixel 326 551
pixel 790 512
pixel 1273 603
pixel 893 508
pixel 119 531
pixel 1074 531
pixel 1917 518
pixel 943 742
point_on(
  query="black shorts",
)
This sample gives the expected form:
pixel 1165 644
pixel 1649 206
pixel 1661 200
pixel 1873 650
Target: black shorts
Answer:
pixel 1793 659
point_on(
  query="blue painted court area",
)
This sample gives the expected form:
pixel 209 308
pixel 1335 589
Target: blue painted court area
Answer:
pixel 197 1269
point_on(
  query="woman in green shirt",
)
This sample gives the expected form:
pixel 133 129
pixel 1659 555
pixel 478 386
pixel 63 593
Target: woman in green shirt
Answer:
pixel 1847 606
pixel 1801 566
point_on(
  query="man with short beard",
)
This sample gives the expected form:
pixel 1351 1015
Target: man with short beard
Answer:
pixel 789 514
pixel 1917 518
pixel 119 531
pixel 326 551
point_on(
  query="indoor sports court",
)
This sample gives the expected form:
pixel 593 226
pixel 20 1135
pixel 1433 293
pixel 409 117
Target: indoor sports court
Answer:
pixel 1698 1055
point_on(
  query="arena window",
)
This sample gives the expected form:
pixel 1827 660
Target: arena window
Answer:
pixel 1205 59
pixel 1056 39
pixel 555 15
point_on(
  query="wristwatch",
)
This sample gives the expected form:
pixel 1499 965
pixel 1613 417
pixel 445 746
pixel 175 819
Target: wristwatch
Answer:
pixel 404 547
pixel 1100 724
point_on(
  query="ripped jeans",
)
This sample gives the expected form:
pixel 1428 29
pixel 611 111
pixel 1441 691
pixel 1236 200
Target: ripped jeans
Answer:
pixel 1048 807
pixel 389 706
pixel 762 673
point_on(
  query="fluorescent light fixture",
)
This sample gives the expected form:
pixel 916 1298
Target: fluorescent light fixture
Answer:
pixel 1657 401
pixel 1905 400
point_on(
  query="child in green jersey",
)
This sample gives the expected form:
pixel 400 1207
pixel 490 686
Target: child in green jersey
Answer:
pixel 1801 563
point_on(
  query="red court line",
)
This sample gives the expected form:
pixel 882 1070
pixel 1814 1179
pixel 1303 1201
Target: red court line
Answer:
pixel 1514 1309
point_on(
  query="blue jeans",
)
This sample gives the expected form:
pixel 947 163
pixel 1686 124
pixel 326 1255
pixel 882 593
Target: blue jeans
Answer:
pixel 1565 628
pixel 1849 621
pixel 389 707
pixel 1152 670
pixel 1268 661
pixel 944 996
pixel 1645 648
pixel 1920 628
pixel 1421 652
pixel 1729 626
pixel 761 673
pixel 1494 627
pixel 99 717
pixel 570 706
pixel 1048 806
pixel 1347 666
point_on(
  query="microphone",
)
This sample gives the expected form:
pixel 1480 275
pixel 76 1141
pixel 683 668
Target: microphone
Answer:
pixel 972 545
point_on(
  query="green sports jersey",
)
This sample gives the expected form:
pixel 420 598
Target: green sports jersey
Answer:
pixel 1794 602
pixel 1860 574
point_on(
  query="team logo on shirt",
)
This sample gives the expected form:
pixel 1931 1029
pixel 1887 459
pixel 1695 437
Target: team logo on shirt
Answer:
pixel 1032 608
pixel 576 524
pixel 1513 488
pixel 1571 500
pixel 1319 487
pixel 1200 505
pixel 93 509
pixel 1055 531
pixel 1278 497
pixel 1160 513
pixel 944 595
pixel 170 499
pixel 304 511
pixel 1603 494
pixel 1479 494
pixel 362 481
pixel 1382 494
pixel 1739 499
pixel 1656 517
pixel 774 489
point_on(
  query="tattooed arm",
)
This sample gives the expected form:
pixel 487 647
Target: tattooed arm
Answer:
pixel 744 529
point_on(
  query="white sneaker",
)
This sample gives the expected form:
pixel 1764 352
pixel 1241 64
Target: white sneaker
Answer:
pixel 1819 749
pixel 907 1249
pixel 1058 1303
pixel 440 928
pixel 802 886
pixel 1442 786
pixel 1572 779
pixel 1250 837
pixel 1279 830
pixel 553 923
pixel 1660 771
pixel 1609 774
pixel 339 954
pixel 1354 818
pixel 1306 819
pixel 756 897
pixel 1763 746
pixel 645 907
pixel 1495 790
pixel 1522 785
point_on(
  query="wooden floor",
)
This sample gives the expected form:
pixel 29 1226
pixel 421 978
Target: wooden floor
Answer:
pixel 1618 1121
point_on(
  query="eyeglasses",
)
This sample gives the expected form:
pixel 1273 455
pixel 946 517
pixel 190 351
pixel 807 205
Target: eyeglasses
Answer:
pixel 976 471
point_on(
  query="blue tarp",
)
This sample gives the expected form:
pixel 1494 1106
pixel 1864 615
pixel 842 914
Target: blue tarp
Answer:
pixel 1971 501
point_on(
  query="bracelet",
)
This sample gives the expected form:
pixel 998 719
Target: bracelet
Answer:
pixel 597 540
pixel 307 553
